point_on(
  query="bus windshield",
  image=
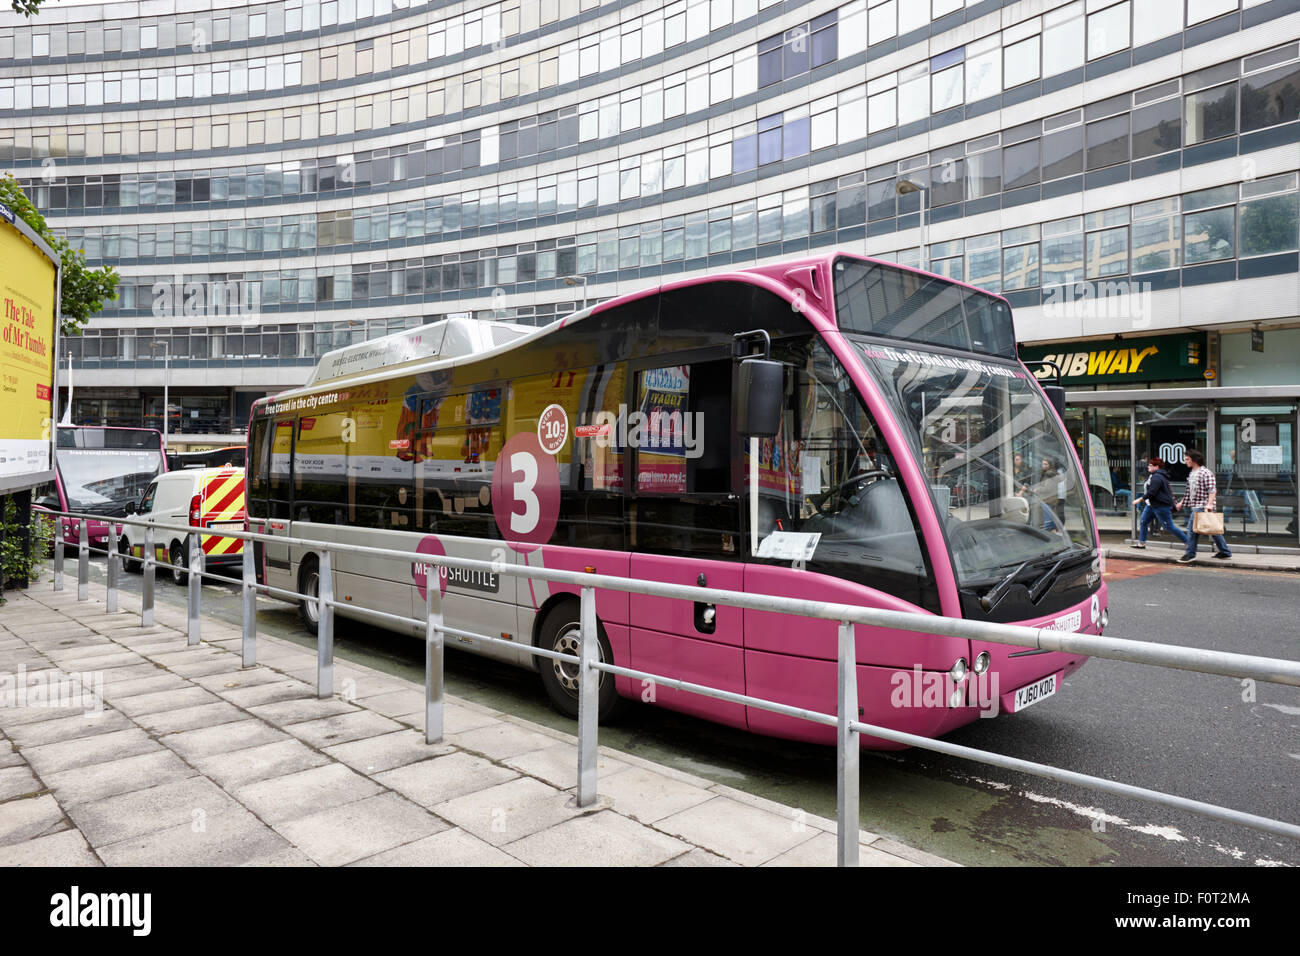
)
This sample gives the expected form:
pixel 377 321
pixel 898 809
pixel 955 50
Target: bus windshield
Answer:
pixel 994 456
pixel 101 469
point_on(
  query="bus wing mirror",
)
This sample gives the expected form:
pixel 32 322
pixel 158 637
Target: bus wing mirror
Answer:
pixel 761 397
pixel 129 508
pixel 1056 395
pixel 51 502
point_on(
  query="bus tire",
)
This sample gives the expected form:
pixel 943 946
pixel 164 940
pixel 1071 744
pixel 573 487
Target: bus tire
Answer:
pixel 180 577
pixel 309 586
pixel 562 631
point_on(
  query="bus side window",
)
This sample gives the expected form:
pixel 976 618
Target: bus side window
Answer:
pixel 281 469
pixel 259 463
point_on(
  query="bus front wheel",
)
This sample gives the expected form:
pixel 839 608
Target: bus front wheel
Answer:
pixel 309 587
pixel 562 631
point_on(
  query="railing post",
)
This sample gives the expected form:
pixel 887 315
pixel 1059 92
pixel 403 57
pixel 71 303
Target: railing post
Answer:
pixel 249 644
pixel 148 556
pixel 433 645
pixel 325 629
pixel 110 593
pixel 588 701
pixel 59 527
pixel 194 584
pixel 83 560
pixel 847 755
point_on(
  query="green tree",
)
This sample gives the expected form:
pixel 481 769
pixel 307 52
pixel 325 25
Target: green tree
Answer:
pixel 84 290
pixel 26 7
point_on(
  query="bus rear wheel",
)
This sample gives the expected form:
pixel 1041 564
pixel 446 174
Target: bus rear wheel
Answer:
pixel 562 631
pixel 309 587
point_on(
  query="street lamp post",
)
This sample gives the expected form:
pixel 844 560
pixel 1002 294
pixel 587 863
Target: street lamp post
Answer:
pixel 578 280
pixel 905 187
pixel 153 347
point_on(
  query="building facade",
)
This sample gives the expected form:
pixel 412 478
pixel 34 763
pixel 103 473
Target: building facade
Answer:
pixel 276 180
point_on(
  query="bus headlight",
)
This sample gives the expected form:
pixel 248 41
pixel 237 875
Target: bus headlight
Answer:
pixel 982 662
pixel 1105 618
pixel 958 671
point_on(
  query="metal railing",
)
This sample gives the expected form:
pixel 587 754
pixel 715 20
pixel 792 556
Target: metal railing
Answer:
pixel 848 729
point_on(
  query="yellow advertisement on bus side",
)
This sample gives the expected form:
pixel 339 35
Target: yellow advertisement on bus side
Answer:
pixel 27 290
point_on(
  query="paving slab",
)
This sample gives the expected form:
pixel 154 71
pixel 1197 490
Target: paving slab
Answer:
pixel 376 754
pixel 437 780
pixel 67 848
pixel 747 835
pixel 501 741
pixel 224 738
pixel 342 728
pixel 101 748
pixel 648 796
pixel 142 704
pixel 86 784
pixel 242 767
pixel 17 781
pixel 509 811
pixel 30 818
pixel 358 830
pixel 191 718
pixel 452 847
pixel 192 802
pixel 301 709
pixel 236 838
pixel 558 765
pixel 599 839
pixel 76 724
pixel 301 794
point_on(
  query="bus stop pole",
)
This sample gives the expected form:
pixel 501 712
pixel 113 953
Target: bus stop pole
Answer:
pixel 83 560
pixel 146 586
pixel 195 582
pixel 249 644
pixel 110 594
pixel 325 629
pixel 847 755
pixel 433 656
pixel 588 701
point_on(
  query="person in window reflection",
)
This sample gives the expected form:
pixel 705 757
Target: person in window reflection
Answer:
pixel 1046 488
pixel 1020 473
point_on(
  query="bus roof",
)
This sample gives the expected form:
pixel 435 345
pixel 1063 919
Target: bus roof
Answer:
pixel 441 344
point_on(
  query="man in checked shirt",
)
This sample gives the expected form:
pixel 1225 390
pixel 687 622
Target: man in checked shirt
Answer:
pixel 1201 489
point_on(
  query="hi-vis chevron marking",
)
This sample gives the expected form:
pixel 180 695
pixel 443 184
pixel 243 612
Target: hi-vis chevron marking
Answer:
pixel 223 500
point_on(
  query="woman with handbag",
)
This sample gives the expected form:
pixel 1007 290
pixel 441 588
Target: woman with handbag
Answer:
pixel 1158 504
pixel 1199 503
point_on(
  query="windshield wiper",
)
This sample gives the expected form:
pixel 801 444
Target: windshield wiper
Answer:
pixel 1040 586
pixel 995 594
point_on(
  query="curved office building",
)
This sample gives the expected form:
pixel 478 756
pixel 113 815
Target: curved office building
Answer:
pixel 274 180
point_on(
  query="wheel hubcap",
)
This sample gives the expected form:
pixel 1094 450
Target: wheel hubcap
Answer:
pixel 311 589
pixel 569 641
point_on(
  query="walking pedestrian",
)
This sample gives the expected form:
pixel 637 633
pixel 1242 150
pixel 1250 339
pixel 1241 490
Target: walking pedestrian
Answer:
pixel 1201 491
pixel 1157 503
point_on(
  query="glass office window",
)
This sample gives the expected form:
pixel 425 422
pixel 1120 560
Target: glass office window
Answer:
pixel 1020 165
pixel 1211 114
pixel 1270 98
pixel 1108 142
pixel 1107 253
pixel 1108 31
pixel 1020 267
pixel 1021 62
pixel 1157 128
pixel 1209 235
pixel 1063 154
pixel 1062 252
pixel 1270 224
pixel 1063 46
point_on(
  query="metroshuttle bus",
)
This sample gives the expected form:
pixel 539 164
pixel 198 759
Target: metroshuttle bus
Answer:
pixel 100 470
pixel 914 465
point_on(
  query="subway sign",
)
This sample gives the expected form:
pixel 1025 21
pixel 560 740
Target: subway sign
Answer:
pixel 1158 358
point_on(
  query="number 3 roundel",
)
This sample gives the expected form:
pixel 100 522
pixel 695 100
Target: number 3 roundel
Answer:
pixel 525 491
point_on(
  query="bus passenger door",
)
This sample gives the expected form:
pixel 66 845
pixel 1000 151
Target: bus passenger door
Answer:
pixel 684 519
pixel 275 560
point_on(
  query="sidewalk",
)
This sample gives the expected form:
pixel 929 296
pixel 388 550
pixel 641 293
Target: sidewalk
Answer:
pixel 194 761
pixel 1168 553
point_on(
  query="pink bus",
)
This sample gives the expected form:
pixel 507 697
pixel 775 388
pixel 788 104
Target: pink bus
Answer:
pixel 98 470
pixel 909 462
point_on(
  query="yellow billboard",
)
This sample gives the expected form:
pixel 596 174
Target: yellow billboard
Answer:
pixel 28 285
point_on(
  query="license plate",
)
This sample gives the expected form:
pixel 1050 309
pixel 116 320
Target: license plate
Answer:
pixel 229 525
pixel 1031 694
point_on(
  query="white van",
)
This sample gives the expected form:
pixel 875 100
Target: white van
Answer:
pixel 198 497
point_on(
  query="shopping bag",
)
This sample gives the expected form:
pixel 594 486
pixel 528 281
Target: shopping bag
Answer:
pixel 1207 522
